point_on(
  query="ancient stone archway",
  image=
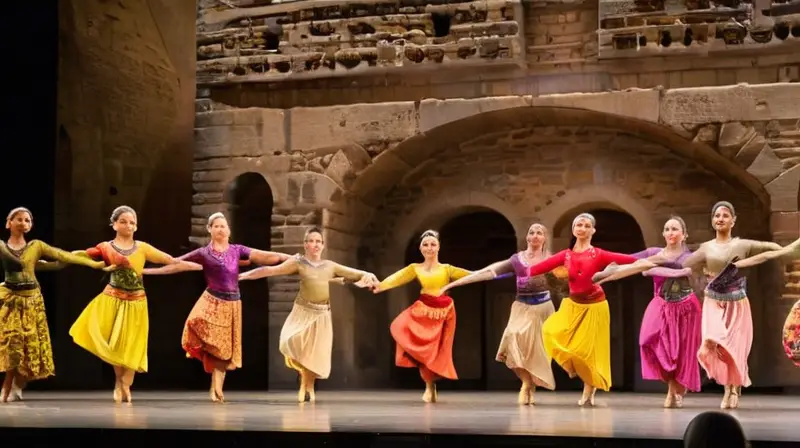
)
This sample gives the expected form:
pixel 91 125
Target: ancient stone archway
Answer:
pixel 249 203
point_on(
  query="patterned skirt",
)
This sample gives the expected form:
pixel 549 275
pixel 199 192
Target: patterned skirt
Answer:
pixel 213 333
pixel 25 337
pixel 791 334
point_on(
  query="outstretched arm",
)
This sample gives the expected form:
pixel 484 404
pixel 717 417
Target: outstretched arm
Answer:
pixel 287 267
pixel 488 273
pixel 48 266
pixel 792 251
pixel 180 266
pixel 616 272
pixel 548 264
pixel 399 278
pixel 360 278
pixel 266 257
pixel 63 256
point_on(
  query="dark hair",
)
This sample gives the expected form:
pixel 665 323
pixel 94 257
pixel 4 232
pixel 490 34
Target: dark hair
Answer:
pixel 429 233
pixel 18 210
pixel 313 230
pixel 712 429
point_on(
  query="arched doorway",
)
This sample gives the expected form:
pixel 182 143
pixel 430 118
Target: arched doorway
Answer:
pixel 617 231
pixel 472 240
pixel 250 204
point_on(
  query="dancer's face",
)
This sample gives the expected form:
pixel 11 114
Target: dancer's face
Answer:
pixel 429 247
pixel 125 225
pixel 21 223
pixel 314 244
pixel 537 234
pixel 723 220
pixel 583 229
pixel 673 232
pixel 219 230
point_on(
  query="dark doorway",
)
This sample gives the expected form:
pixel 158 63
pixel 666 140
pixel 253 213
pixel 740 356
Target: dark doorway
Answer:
pixel 250 212
pixel 471 241
pixel 627 299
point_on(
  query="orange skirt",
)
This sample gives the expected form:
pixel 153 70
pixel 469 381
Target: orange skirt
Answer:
pixel 213 333
pixel 424 334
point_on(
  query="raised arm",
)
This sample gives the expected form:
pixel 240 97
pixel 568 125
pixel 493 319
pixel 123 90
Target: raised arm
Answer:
pixel 548 264
pixel 399 278
pixel 63 256
pixel 490 272
pixel 266 257
pixel 286 268
pixel 792 251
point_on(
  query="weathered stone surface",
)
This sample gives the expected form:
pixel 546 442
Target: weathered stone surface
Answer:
pixel 784 192
pixel 732 103
pixel 638 104
pixel 767 166
pixel 785 226
pixel 733 136
pixel 308 190
pixel 339 126
pixel 750 151
pixel 434 113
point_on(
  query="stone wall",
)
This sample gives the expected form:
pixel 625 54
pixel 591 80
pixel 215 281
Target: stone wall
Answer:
pixel 367 167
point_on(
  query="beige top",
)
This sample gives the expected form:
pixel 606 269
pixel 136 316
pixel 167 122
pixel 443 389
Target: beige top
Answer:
pixel 713 256
pixel 315 277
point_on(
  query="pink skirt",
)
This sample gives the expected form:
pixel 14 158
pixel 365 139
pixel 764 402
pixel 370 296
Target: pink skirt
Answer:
pixel 669 339
pixel 727 339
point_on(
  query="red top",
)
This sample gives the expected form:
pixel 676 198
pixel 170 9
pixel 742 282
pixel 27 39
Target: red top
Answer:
pixel 581 267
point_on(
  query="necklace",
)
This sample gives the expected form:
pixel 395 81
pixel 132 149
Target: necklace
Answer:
pixel 125 252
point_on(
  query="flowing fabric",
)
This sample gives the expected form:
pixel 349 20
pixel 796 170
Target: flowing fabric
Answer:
pixel 424 333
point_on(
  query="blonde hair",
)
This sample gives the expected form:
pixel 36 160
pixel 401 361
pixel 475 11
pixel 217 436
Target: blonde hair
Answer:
pixel 429 233
pixel 584 216
pixel 545 248
pixel 214 217
pixel 682 223
pixel 18 210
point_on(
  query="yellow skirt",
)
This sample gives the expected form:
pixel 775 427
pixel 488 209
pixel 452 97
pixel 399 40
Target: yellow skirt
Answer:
pixel 115 330
pixel 578 338
pixel 24 334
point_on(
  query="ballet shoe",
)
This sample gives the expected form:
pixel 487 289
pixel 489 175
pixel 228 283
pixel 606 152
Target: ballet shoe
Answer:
pixel 726 398
pixel 427 397
pixel 733 402
pixel 301 395
pixel 312 396
pixel 524 395
pixel 531 393
pixel 117 394
pixel 127 397
pixel 587 399
pixel 678 401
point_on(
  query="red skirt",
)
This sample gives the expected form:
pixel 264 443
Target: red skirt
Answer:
pixel 424 334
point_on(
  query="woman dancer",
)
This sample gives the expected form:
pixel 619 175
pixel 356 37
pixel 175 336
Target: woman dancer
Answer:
pixel 26 353
pixel 577 336
pixel 213 330
pixel 791 326
pixel 424 332
pixel 727 324
pixel 521 347
pixel 306 339
pixel 670 332
pixel 115 325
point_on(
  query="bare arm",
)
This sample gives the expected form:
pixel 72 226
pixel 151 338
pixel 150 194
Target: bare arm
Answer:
pixel 286 268
pixel 488 273
pixel 180 266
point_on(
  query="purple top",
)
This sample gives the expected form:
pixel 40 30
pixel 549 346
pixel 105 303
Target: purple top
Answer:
pixel 526 285
pixel 221 270
pixel 667 272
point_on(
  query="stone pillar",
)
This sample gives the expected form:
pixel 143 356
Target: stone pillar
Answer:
pixel 785 228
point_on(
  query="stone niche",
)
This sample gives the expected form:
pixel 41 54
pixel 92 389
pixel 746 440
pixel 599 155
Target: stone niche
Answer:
pixel 637 28
pixel 324 38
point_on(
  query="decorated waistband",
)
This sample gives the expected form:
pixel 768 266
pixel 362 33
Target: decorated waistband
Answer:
pixel 123 294
pixel 534 299
pixel 316 306
pixel 436 308
pixel 597 295
pixel 224 295
pixel 675 289
pixel 730 292
pixel 21 287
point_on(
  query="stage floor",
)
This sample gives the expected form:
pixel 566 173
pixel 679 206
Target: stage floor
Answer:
pixel 617 415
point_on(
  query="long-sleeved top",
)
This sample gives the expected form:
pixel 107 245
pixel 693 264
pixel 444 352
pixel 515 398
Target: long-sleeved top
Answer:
pixel 315 278
pixel 19 275
pixel 581 266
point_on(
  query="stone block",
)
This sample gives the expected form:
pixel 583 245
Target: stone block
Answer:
pixel 730 103
pixel 785 226
pixel 213 118
pixel 638 104
pixel 784 191
pixel 750 151
pixel 434 113
pixel 309 190
pixel 313 128
pixel 373 184
pixel 766 166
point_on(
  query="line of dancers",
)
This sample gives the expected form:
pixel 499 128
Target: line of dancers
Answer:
pixel 676 338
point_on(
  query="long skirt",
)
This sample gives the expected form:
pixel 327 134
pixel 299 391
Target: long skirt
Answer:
pixel 306 339
pixel 115 328
pixel 522 344
pixel 668 341
pixel 791 334
pixel 727 336
pixel 25 337
pixel 424 334
pixel 578 338
pixel 213 333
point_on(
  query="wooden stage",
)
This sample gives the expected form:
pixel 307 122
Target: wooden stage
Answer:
pixel 379 419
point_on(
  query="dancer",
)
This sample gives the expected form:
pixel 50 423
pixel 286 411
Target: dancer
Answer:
pixel 727 324
pixel 115 325
pixel 577 336
pixel 306 339
pixel 670 332
pixel 424 332
pixel 213 330
pixel 791 326
pixel 26 353
pixel 522 347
